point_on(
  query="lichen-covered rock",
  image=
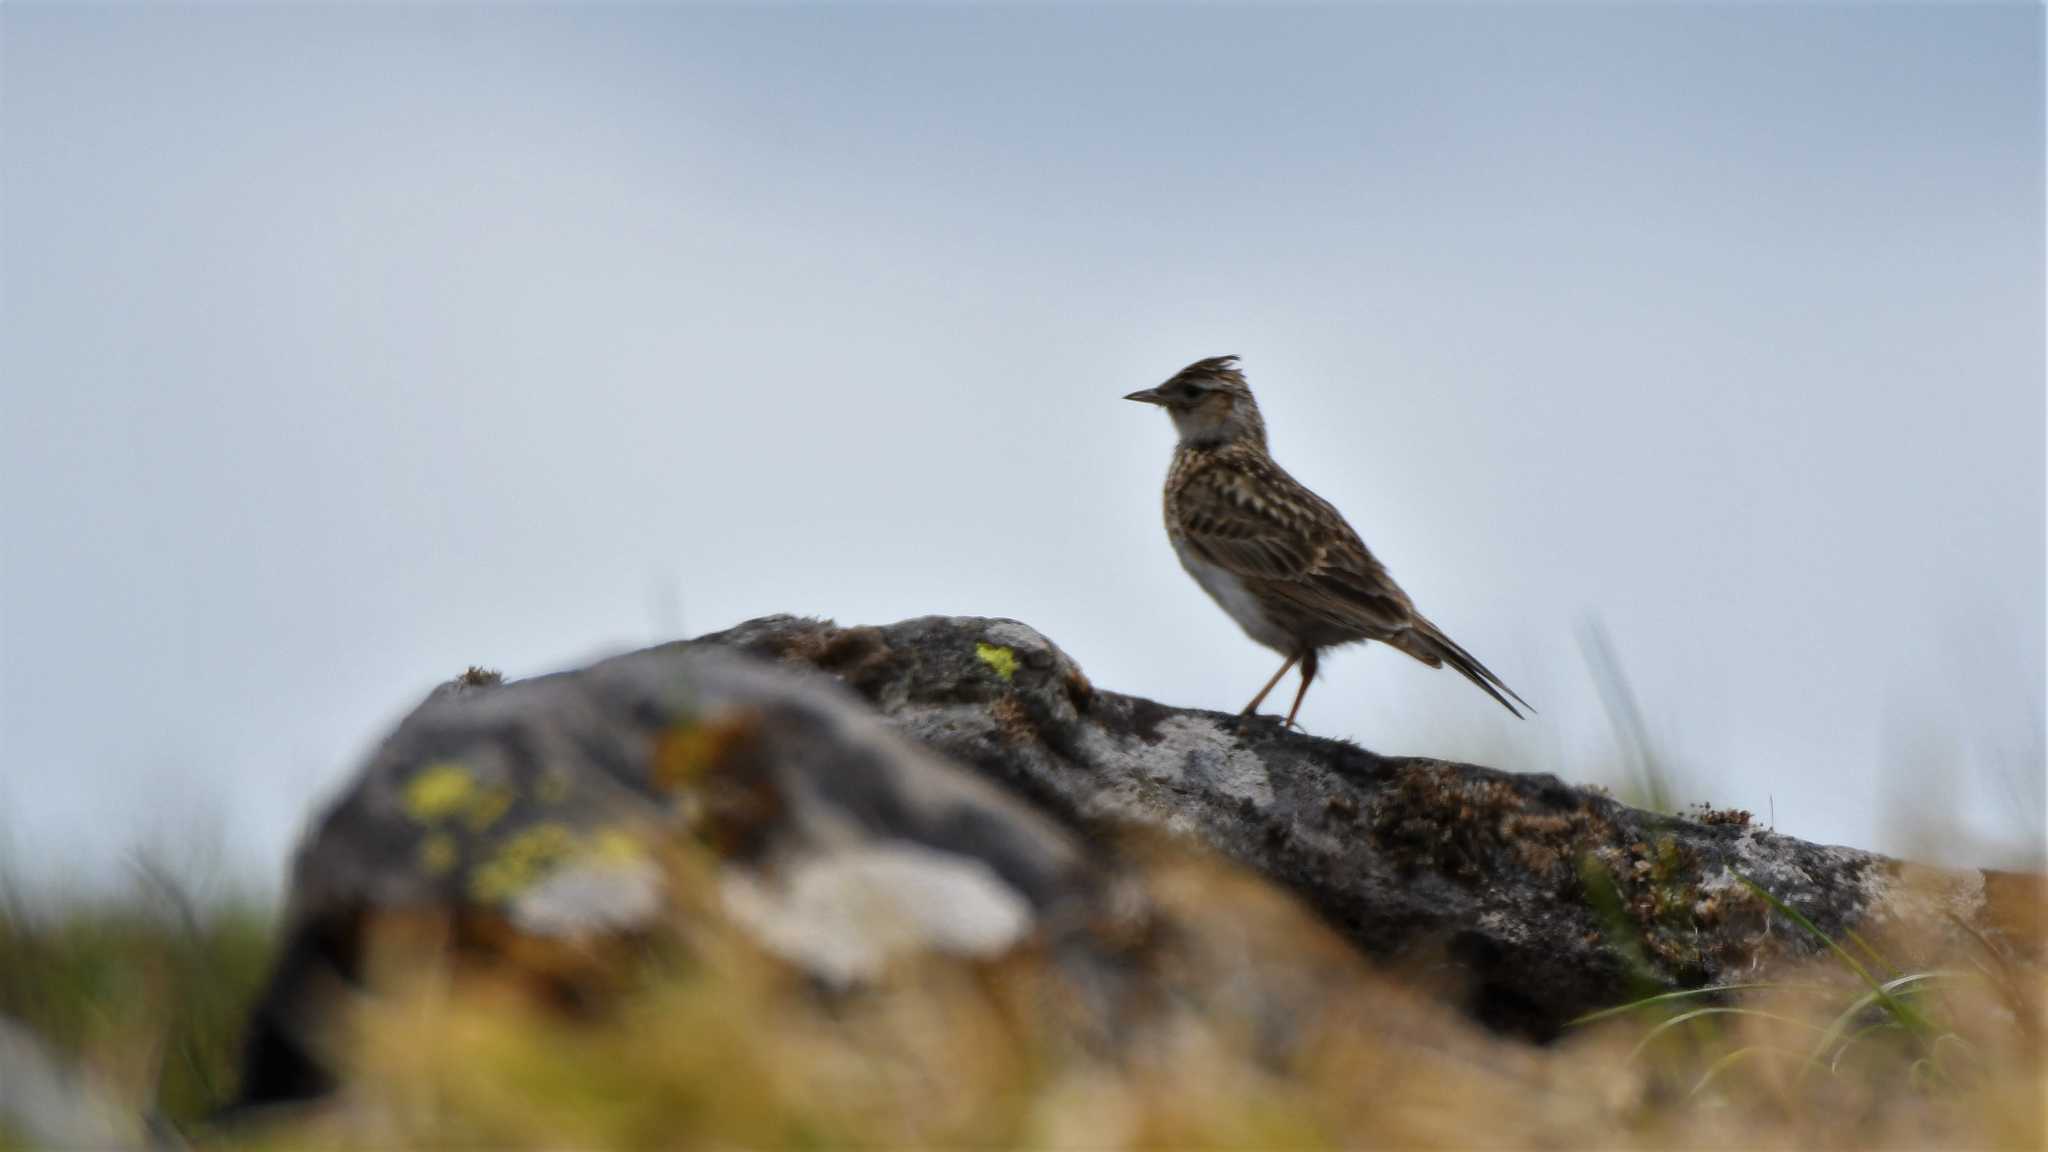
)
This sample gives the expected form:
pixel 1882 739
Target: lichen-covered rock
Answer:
pixel 1001 839
pixel 1541 900
pixel 544 818
pixel 691 838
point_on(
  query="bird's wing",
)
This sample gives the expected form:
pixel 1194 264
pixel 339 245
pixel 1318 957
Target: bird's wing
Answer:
pixel 1263 526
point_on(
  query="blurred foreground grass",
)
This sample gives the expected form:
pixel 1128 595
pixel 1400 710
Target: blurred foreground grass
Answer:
pixel 1895 1043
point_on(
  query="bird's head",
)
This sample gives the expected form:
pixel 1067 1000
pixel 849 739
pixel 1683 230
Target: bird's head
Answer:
pixel 1210 403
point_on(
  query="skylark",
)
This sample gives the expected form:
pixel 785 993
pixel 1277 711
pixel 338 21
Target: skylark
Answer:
pixel 1274 555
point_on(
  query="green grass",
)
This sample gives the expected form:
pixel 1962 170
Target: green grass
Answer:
pixel 149 989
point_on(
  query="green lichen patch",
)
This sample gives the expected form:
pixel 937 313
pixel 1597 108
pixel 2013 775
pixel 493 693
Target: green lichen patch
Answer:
pixel 1002 661
pixel 535 853
pixel 521 860
pixel 616 848
pixel 446 791
pixel 438 791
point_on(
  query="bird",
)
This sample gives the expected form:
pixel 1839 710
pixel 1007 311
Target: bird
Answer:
pixel 1279 559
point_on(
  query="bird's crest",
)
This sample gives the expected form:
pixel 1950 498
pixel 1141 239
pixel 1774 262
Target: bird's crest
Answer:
pixel 1219 372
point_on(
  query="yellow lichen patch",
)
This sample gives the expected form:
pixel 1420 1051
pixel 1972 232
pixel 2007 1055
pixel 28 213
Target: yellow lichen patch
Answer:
pixel 616 847
pixel 521 860
pixel 441 789
pixel 1000 659
pixel 438 854
pixel 490 804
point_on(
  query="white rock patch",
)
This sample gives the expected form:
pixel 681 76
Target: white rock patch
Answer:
pixel 585 899
pixel 1199 747
pixel 1018 636
pixel 843 915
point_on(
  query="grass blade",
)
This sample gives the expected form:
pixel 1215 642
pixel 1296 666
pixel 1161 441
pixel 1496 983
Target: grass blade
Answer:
pixel 1716 1010
pixel 1905 1012
pixel 1682 994
pixel 1730 1059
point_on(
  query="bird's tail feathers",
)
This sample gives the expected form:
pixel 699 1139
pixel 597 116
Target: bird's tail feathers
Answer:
pixel 1427 643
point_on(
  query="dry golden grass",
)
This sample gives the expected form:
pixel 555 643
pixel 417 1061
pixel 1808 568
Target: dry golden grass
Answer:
pixel 1252 1027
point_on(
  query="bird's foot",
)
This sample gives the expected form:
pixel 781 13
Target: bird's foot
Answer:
pixel 1247 721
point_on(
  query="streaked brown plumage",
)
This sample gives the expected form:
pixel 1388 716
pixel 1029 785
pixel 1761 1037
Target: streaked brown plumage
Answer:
pixel 1274 555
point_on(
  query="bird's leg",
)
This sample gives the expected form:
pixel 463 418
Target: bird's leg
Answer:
pixel 1253 707
pixel 1308 673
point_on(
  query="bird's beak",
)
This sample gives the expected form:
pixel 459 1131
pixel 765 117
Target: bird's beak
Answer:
pixel 1148 396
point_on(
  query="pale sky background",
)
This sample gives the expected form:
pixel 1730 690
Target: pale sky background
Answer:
pixel 346 348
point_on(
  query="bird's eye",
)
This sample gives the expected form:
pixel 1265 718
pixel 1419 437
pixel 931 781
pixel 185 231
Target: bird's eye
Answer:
pixel 1188 391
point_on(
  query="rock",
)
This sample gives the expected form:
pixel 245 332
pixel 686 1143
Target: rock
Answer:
pixel 994 823
pixel 691 809
pixel 540 817
pixel 1538 901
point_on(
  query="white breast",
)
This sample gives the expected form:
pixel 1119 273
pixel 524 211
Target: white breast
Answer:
pixel 1233 597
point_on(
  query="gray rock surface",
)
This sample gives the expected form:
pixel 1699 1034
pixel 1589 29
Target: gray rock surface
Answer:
pixel 1536 900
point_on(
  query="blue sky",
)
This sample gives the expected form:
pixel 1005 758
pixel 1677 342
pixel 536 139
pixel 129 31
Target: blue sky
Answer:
pixel 344 348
